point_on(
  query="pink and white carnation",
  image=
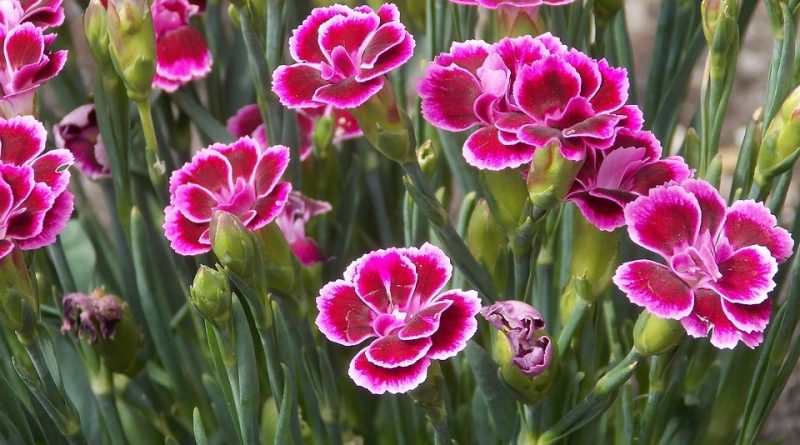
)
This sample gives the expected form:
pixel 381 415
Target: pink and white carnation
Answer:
pixel 297 212
pixel 181 50
pixel 241 178
pixel 25 64
pixel 41 13
pixel 525 93
pixel 720 261
pixel 394 297
pixel 35 204
pixel 247 122
pixel 78 132
pixel 612 178
pixel 342 56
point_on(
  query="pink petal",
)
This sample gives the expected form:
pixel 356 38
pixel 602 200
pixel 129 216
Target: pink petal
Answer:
pixel 634 118
pixel 484 150
pixel 599 127
pixel 613 92
pixel 6 247
pixel 469 55
pixel 304 43
pixel 379 380
pixel 433 271
pixel 183 55
pixel 539 135
pixel 392 352
pixel 19 179
pixel 658 173
pixel 348 31
pixel 448 95
pixel 242 155
pixel 296 85
pixel 665 220
pixel 21 139
pixel 54 222
pixel 655 287
pixel 603 213
pixel 343 318
pixel 747 275
pixel 184 235
pixel 51 168
pixel 707 315
pixel 245 121
pixel 269 207
pixel 751 223
pixel 546 86
pixel 195 202
pixel 389 60
pixel 271 166
pixel 348 93
pixel 457 324
pixel 24 45
pixel 6 199
pixel 385 280
pixel 307 251
pixel 748 317
pixel 712 206
pixel 587 69
pixel 425 322
pixel 208 169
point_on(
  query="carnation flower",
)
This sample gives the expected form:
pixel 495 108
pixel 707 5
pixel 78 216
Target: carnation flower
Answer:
pixel 35 204
pixel 292 221
pixel 721 261
pixel 610 179
pixel 181 50
pixel 25 64
pixel 526 93
pixel 78 133
pixel 393 296
pixel 342 55
pixel 247 122
pixel 524 327
pixel 41 13
pixel 241 178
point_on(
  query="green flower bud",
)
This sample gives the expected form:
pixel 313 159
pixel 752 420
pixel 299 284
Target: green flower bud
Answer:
pixel 279 261
pixel 133 45
pixel 386 126
pixel 323 134
pixel 426 156
pixel 488 243
pixel 654 335
pixel 719 22
pixel 96 29
pixel 429 395
pixel 234 244
pixel 19 307
pixel 210 293
pixel 593 260
pixel 780 147
pixel 508 194
pixel 550 177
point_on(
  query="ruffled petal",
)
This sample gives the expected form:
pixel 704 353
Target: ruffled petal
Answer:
pixel 296 85
pixel 271 166
pixel 184 235
pixel 425 322
pixel 304 43
pixel 448 96
pixel 182 56
pixel 385 280
pixel 484 150
pixel 712 206
pixel 21 139
pixel 747 275
pixel 748 317
pixel 379 380
pixel 208 169
pixel 750 223
pixel 433 271
pixel 709 315
pixel 243 156
pixel 457 324
pixel 196 203
pixel 269 207
pixel 54 222
pixel 613 92
pixel 348 93
pixel 343 318
pixel 545 87
pixel 392 352
pixel 656 288
pixel 665 220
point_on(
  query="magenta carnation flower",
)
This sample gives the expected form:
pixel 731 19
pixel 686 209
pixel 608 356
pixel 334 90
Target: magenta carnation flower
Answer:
pixel 524 327
pixel 525 93
pixel 24 65
pixel 247 122
pixel 610 179
pixel 78 133
pixel 181 51
pixel 241 178
pixel 292 221
pixel 41 13
pixel 35 204
pixel 720 261
pixel 393 296
pixel 342 55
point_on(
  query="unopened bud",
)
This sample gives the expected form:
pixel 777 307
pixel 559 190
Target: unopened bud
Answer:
pixel 508 194
pixel 19 307
pixel 593 259
pixel 234 244
pixel 654 335
pixel 133 45
pixel 426 156
pixel 550 177
pixel 279 260
pixel 96 29
pixel 386 126
pixel 780 147
pixel 488 243
pixel 211 295
pixel 429 395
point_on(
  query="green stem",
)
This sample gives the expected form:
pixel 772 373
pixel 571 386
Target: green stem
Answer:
pixel 574 321
pixel 155 166
pixel 103 387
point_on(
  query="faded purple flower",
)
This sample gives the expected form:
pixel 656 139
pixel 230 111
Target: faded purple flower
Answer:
pixel 78 133
pixel 292 221
pixel 524 327
pixel 91 314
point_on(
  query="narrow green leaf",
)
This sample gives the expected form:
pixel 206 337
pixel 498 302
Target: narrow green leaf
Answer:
pixel 502 405
pixel 199 431
pixel 249 394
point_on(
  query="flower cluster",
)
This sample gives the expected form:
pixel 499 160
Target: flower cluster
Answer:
pixel 247 122
pixel 181 50
pixel 393 295
pixel 721 261
pixel 342 55
pixel 78 133
pixel 35 204
pixel 526 93
pixel 242 178
pixel 26 62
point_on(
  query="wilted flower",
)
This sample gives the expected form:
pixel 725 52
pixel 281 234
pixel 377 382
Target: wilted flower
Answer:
pixel 526 93
pixel 342 55
pixel 241 178
pixel 91 314
pixel 35 204
pixel 610 179
pixel 181 50
pixel 40 13
pixel 524 327
pixel 25 64
pixel 247 122
pixel 292 221
pixel 78 133
pixel 720 261
pixel 393 295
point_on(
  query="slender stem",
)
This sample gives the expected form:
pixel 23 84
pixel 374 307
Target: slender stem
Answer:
pixel 155 166
pixel 103 387
pixel 442 435
pixel 574 321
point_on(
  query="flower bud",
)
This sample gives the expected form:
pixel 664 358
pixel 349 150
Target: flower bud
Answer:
pixel 95 26
pixel 234 244
pixel 133 45
pixel 488 243
pixel 426 156
pixel 386 126
pixel 323 132
pixel 19 307
pixel 780 147
pixel 654 335
pixel 210 293
pixel 279 260
pixel 550 177
pixel 506 189
pixel 593 260
pixel 125 353
pixel 605 10
pixel 524 352
pixel 719 22
pixel 429 395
